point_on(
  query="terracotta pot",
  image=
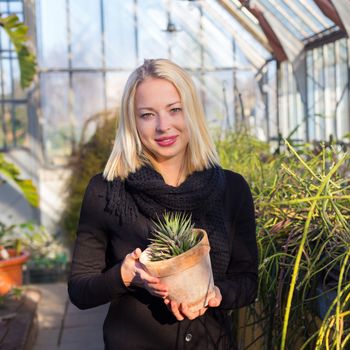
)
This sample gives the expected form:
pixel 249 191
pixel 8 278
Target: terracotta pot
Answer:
pixel 11 271
pixel 188 276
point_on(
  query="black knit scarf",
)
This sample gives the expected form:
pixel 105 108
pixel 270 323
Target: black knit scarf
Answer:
pixel 201 195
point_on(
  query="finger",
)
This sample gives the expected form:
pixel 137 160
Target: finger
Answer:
pixel 144 276
pixel 175 310
pixel 158 285
pixel 162 295
pixel 162 291
pixel 216 301
pixel 217 292
pixel 156 289
pixel 136 253
pixel 202 311
pixel 213 302
pixel 186 312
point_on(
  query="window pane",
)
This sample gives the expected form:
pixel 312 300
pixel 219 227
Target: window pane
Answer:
pixel 86 37
pixel 218 45
pixel 16 6
pixel 20 16
pixel 114 87
pixel 270 88
pixel 57 124
pixel 188 41
pixel 3 7
pixel 88 92
pixel 2 134
pixel 6 79
pixel 330 89
pixel 342 91
pixel 310 95
pixel 8 125
pixel 217 96
pixel 152 20
pixel 19 93
pixel 52 33
pixel 120 47
pixel 319 93
pixel 182 46
pixel 20 125
pixel 5 42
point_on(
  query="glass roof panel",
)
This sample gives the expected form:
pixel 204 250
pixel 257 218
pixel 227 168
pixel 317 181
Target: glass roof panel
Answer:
pixel 302 18
pixel 239 16
pixel 286 17
pixel 217 18
pixel 189 38
pixel 314 14
pixel 303 15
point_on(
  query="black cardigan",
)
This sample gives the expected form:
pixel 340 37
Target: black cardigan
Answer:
pixel 137 320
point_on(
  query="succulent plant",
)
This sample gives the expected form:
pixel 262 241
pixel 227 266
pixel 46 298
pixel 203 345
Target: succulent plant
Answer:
pixel 172 236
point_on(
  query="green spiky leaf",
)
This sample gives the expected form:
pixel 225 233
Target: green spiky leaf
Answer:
pixel 172 236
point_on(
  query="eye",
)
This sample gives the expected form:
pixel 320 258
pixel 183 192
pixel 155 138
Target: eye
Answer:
pixel 147 115
pixel 176 110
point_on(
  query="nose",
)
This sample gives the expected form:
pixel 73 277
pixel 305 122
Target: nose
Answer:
pixel 163 122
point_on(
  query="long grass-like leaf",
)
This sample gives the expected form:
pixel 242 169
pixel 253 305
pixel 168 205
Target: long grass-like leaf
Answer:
pixel 300 251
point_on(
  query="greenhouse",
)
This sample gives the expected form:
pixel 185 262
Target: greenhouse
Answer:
pixel 273 77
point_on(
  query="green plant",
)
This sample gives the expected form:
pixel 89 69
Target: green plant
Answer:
pixel 45 250
pixel 90 158
pixel 303 234
pixel 17 33
pixel 14 294
pixel 11 174
pixel 250 157
pixel 34 239
pixel 172 236
pixel 302 202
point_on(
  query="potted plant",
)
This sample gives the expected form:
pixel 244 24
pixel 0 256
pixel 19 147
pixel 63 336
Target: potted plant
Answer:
pixel 11 256
pixel 12 259
pixel 179 256
pixel 49 257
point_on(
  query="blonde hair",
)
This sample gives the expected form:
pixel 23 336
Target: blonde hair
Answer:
pixel 128 154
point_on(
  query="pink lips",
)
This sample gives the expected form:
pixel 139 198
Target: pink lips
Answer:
pixel 166 141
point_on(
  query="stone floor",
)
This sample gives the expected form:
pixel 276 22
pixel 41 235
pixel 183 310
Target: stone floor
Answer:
pixel 63 326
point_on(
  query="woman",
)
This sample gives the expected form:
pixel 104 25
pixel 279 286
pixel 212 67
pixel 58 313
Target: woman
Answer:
pixel 163 159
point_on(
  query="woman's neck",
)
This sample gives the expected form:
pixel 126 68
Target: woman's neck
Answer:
pixel 172 173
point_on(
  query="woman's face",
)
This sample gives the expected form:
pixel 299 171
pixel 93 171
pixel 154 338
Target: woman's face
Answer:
pixel 160 120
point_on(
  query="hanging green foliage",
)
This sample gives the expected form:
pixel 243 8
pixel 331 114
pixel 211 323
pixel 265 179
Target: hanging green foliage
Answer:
pixel 10 173
pixel 17 32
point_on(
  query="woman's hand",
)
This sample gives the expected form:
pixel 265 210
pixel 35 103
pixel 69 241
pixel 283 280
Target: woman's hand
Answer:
pixel 182 311
pixel 133 273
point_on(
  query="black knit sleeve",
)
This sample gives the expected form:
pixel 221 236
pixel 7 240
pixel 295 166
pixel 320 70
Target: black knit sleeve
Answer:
pixel 239 288
pixel 90 282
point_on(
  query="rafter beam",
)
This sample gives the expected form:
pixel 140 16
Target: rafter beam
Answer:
pixel 272 38
pixel 330 11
